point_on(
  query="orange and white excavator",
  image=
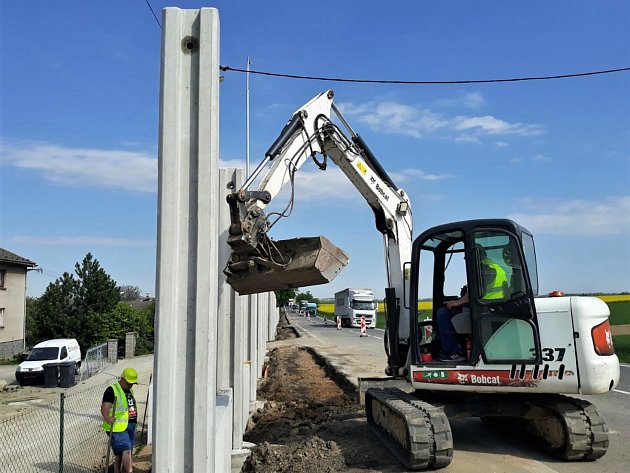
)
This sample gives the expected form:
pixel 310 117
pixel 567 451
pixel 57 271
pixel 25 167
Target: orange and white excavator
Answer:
pixel 524 355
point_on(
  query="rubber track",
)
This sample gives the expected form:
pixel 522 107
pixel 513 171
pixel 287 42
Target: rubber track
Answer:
pixel 587 434
pixel 429 437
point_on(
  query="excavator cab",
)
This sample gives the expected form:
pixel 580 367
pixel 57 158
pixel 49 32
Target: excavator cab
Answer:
pixel 494 261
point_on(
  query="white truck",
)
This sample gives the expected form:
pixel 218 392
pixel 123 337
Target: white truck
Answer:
pixel 351 304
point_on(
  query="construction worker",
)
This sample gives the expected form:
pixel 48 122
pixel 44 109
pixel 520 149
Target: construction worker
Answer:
pixel 494 283
pixel 120 416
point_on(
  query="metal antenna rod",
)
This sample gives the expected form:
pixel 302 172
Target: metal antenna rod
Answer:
pixel 249 62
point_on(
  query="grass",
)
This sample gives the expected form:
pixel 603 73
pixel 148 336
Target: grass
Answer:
pixel 12 361
pixel 619 312
pixel 622 347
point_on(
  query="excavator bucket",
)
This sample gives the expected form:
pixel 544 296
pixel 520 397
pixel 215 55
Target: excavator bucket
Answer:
pixel 308 262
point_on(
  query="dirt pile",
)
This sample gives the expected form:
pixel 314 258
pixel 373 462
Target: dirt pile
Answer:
pixel 311 421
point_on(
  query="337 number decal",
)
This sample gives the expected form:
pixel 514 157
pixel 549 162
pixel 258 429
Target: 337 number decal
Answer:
pixel 552 354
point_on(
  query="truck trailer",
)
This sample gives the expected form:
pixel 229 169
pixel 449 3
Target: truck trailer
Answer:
pixel 351 304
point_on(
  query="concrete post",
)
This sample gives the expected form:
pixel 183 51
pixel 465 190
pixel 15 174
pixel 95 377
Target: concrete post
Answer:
pixel 130 344
pixel 253 346
pixel 247 364
pixel 229 181
pixel 231 323
pixel 112 350
pixel 273 317
pixel 187 279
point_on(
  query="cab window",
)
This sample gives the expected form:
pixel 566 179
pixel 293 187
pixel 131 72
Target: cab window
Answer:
pixel 500 269
pixel 506 320
pixel 64 353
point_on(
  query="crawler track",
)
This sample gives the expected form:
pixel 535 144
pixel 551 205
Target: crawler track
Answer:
pixel 584 432
pixel 418 433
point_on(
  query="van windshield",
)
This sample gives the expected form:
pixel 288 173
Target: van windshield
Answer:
pixel 41 354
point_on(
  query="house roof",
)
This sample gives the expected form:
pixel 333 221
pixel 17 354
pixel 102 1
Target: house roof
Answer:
pixel 8 257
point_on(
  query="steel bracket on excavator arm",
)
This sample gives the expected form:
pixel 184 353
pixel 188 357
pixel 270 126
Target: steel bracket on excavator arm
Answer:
pixel 297 262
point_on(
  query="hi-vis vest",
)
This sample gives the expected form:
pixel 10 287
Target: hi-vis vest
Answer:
pixel 119 410
pixel 494 290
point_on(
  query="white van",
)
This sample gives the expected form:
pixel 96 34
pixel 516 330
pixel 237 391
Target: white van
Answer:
pixel 60 350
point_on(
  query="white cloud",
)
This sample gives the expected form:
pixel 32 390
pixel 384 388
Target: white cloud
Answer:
pixel 392 117
pixel 333 184
pixel 83 167
pixel 81 241
pixel 578 217
pixel 468 139
pixel 416 174
pixel 471 100
pixel 541 158
pixel 494 126
pixel 416 121
pixel 234 163
pixel 501 144
pixel 474 100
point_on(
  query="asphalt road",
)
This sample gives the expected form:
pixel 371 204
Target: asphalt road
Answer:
pixel 476 447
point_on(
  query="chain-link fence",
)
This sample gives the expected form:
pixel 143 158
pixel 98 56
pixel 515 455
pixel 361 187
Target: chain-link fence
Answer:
pixel 95 360
pixel 62 436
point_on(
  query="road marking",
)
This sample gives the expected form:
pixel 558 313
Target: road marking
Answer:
pixel 311 334
pixel 622 392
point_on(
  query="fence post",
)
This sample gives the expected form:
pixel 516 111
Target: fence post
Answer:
pixel 62 398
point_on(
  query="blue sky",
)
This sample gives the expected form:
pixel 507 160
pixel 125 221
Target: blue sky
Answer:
pixel 79 113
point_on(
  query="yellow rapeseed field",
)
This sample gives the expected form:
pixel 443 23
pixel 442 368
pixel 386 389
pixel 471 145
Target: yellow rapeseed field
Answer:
pixel 428 305
pixel 615 298
pixel 330 308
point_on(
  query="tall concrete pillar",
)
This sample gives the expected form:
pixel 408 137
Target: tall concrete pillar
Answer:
pixel 231 323
pixel 253 345
pixel 272 321
pixel 187 274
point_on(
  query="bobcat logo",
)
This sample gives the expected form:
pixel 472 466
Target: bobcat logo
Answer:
pixel 462 378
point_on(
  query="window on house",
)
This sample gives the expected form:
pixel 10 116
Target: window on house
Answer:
pixel 3 273
pixel 1 317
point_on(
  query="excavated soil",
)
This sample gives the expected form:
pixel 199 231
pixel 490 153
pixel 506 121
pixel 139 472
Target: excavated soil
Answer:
pixel 311 421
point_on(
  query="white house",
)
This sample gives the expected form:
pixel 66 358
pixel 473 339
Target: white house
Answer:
pixel 13 269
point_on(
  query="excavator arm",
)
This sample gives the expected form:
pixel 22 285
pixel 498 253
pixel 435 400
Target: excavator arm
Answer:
pixel 259 263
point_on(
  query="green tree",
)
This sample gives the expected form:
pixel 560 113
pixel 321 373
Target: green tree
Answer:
pixel 129 293
pixel 124 318
pixel 70 307
pixel 32 321
pixel 283 296
pixel 307 296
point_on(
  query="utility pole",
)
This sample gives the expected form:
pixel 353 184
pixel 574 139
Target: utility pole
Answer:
pixel 249 62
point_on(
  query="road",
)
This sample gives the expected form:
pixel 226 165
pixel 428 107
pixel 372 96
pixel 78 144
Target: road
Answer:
pixel 488 451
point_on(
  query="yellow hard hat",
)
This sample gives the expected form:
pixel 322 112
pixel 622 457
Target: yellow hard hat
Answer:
pixel 130 375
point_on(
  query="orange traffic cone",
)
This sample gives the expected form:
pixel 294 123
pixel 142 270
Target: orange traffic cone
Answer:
pixel 363 329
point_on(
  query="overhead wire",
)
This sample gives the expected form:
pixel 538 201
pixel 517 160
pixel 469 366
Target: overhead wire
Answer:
pixel 426 82
pixel 154 15
pixel 410 82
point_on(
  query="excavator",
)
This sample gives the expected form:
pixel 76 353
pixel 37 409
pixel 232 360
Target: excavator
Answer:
pixel 524 355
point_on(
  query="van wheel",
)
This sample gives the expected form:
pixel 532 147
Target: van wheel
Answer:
pixel 77 369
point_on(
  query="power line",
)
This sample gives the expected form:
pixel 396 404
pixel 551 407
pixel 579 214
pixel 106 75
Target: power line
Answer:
pixel 154 15
pixel 426 82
